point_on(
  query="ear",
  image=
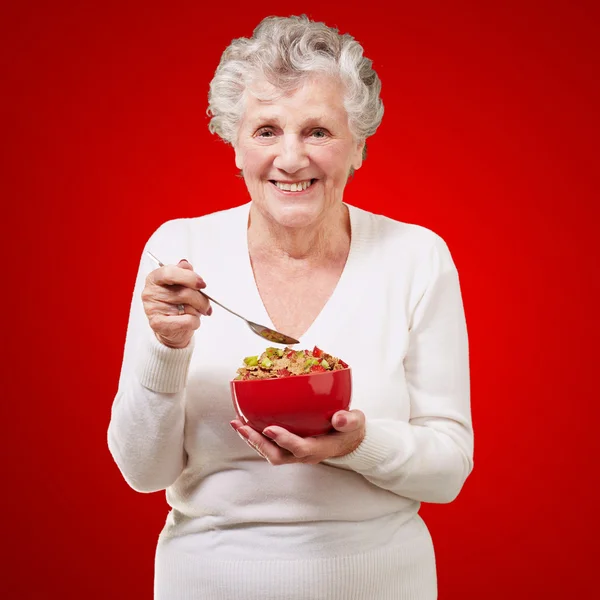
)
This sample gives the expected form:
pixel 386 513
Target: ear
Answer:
pixel 357 157
pixel 238 159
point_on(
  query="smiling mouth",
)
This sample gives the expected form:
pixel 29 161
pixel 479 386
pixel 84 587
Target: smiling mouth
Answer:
pixel 299 186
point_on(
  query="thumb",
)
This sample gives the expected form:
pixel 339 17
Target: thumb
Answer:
pixel 348 421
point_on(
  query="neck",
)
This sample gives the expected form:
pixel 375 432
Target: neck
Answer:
pixel 326 240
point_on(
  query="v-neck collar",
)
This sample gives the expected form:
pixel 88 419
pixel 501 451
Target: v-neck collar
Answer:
pixel 344 290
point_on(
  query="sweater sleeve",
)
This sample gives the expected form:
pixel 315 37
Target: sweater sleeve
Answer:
pixel 146 429
pixel 429 457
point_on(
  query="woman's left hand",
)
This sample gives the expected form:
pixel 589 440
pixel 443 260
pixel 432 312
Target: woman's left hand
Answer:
pixel 280 447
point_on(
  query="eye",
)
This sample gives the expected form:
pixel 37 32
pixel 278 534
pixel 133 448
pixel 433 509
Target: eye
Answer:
pixel 265 132
pixel 319 133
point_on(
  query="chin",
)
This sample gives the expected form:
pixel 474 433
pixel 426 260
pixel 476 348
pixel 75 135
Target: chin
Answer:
pixel 295 214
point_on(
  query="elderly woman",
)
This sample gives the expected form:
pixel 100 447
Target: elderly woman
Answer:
pixel 266 514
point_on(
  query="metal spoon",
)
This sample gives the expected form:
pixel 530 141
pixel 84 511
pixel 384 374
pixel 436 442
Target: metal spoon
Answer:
pixel 261 330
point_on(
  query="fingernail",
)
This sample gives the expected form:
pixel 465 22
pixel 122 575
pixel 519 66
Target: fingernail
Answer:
pixel 233 426
pixel 209 311
pixel 183 260
pixel 269 433
pixel 341 421
pixel 200 283
pixel 244 433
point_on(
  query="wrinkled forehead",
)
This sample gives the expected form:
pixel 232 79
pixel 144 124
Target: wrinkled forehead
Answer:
pixel 316 100
pixel 265 90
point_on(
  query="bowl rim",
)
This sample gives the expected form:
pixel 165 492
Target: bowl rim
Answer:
pixel 237 381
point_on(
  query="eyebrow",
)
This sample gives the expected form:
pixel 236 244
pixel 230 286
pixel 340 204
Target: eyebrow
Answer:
pixel 311 121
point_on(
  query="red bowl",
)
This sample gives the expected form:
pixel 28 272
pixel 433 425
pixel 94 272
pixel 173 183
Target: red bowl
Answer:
pixel 302 404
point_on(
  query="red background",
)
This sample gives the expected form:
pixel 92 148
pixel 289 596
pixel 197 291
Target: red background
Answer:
pixel 490 138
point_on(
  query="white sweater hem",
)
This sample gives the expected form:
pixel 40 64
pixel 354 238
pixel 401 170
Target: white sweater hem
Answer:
pixel 405 571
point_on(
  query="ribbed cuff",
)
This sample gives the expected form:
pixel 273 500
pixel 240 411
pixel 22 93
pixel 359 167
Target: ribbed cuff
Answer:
pixel 373 450
pixel 163 369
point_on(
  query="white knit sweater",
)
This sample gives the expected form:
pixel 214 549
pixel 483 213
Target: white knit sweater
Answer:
pixel 347 529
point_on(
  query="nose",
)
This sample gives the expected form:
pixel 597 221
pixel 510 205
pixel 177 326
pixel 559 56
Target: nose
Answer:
pixel 292 154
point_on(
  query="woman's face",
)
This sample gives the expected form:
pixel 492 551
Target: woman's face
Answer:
pixel 296 152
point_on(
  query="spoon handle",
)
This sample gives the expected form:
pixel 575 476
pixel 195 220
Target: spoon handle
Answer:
pixel 221 305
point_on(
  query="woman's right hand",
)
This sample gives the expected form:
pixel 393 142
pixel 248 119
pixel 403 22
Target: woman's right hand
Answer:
pixel 165 289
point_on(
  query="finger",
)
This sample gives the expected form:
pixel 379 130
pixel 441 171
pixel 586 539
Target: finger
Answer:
pixel 187 310
pixel 175 295
pixel 183 295
pixel 312 450
pixel 171 325
pixel 347 421
pixel 176 275
pixel 267 449
pixel 184 264
pixel 299 447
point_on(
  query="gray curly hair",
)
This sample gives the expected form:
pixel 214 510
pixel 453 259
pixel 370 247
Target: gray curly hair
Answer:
pixel 285 51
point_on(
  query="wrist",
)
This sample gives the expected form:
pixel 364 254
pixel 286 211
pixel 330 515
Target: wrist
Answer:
pixel 353 445
pixel 174 345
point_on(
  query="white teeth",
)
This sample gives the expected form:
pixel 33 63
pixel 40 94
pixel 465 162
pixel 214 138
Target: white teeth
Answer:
pixel 293 187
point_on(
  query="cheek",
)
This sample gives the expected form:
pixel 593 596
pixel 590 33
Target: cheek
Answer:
pixel 334 162
pixel 255 162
